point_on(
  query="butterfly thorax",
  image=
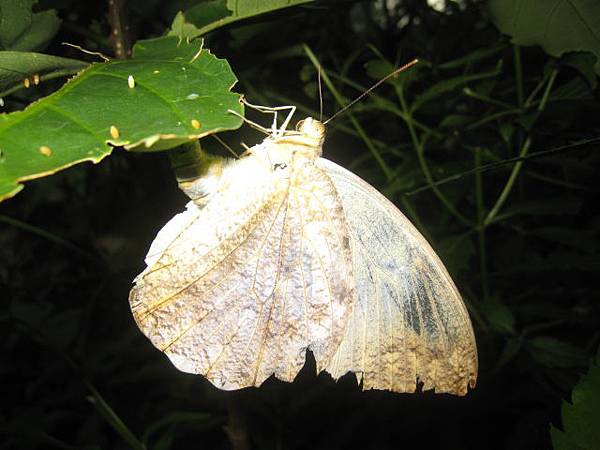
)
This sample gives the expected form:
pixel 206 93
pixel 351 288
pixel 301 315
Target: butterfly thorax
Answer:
pixel 305 144
pixel 275 157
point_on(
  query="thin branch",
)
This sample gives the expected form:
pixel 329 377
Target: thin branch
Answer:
pixel 420 149
pixel 118 29
pixel 517 167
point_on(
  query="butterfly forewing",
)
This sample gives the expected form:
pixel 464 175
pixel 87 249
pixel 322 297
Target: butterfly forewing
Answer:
pixel 240 289
pixel 408 323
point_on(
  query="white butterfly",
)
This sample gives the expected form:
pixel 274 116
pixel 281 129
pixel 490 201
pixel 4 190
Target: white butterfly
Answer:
pixel 283 251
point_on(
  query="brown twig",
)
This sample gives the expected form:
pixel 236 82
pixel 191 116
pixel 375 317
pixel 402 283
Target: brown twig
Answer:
pixel 236 427
pixel 119 35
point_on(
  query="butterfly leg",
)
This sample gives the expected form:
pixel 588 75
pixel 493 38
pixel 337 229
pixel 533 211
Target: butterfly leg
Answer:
pixel 275 130
pixel 251 123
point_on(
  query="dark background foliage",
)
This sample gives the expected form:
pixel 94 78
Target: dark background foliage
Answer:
pixel 77 373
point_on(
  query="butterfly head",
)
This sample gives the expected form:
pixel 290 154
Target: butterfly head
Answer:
pixel 304 144
pixel 312 130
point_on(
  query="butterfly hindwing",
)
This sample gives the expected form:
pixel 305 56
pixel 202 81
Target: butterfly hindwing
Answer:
pixel 409 323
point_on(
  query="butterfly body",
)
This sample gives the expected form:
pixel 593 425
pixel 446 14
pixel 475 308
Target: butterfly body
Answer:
pixel 283 251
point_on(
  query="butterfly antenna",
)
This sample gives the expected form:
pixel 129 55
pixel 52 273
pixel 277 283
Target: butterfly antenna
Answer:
pixel 320 94
pixel 87 52
pixel 383 80
pixel 224 144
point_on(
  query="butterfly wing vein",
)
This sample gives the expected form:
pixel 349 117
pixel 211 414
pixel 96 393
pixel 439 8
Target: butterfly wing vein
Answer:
pixel 240 289
pixel 409 324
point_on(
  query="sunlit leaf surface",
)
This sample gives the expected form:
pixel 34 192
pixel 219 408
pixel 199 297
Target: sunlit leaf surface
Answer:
pixel 169 92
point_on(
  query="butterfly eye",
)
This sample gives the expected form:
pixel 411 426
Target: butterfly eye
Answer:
pixel 281 166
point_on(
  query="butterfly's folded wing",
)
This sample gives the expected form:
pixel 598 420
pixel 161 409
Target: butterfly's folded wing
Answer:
pixel 408 323
pixel 240 289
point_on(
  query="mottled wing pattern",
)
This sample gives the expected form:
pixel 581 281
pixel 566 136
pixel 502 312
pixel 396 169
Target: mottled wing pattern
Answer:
pixel 238 290
pixel 409 323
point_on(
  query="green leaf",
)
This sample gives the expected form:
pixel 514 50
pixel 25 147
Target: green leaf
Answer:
pixel 560 440
pixel 580 418
pixel 558 27
pixel 457 250
pixel 448 85
pixel 528 119
pixel 113 419
pixel 16 66
pixel 499 316
pixel 181 93
pixel 23 30
pixel 575 89
pixel 182 28
pixel 582 62
pixel 507 131
pixel 457 121
pixel 209 16
pixel 470 58
pixel 206 13
pixel 566 204
pixel 510 350
pixel 553 353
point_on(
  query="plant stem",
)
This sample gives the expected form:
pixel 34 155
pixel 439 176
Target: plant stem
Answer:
pixel 471 93
pixel 96 399
pixel 236 426
pixel 388 105
pixel 517 167
pixel 418 145
pixel 518 74
pixel 535 91
pixel 113 419
pixel 359 129
pixel 546 95
pixel 119 35
pixel 414 217
pixel 490 118
pixel 481 227
pixel 509 184
pixel 47 235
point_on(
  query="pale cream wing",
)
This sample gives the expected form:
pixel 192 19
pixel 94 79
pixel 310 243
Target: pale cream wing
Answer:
pixel 409 323
pixel 240 289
